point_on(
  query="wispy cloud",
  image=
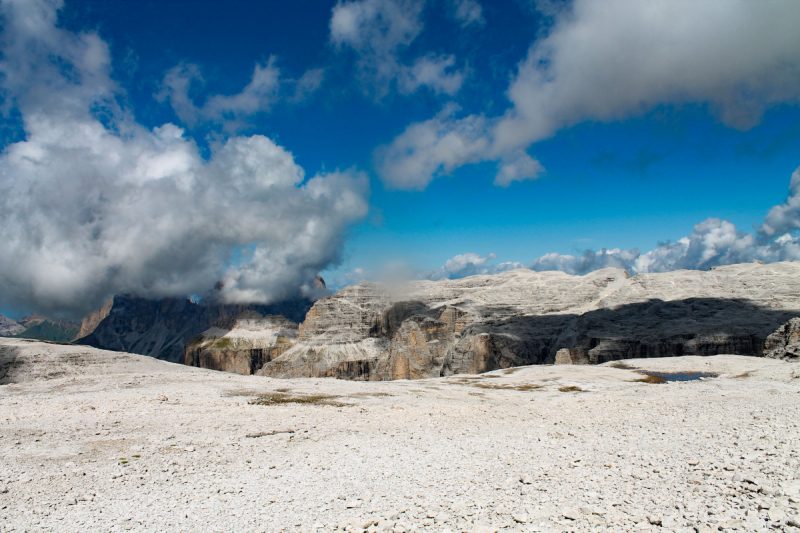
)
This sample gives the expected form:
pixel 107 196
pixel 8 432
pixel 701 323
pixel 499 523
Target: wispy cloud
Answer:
pixel 378 31
pixel 232 111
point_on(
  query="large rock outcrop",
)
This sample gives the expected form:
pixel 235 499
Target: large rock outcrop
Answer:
pixel 161 328
pixel 241 344
pixel 481 323
pixel 785 342
pixel 9 327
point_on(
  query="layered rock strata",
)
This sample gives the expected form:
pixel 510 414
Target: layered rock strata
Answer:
pixel 425 329
pixel 241 344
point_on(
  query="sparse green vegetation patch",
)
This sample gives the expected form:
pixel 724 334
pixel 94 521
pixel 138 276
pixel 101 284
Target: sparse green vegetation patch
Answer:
pixel 522 388
pixel 571 388
pixel 278 398
pixel 222 343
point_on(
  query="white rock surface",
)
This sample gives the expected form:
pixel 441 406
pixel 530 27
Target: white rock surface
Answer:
pixel 426 329
pixel 134 444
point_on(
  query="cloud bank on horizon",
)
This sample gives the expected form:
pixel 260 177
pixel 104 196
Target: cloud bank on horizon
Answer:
pixel 713 242
pixel 94 204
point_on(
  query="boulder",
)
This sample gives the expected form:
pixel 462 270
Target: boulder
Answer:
pixel 563 357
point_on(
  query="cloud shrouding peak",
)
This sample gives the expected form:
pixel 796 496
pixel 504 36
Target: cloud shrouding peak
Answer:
pixel 378 31
pixel 604 61
pixel 93 207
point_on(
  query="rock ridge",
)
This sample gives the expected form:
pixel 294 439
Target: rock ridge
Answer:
pixel 425 329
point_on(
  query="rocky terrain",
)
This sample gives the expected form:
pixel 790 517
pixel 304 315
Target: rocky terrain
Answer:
pixel 161 328
pixel 106 441
pixel 9 327
pixel 426 329
pixel 241 344
pixel 785 342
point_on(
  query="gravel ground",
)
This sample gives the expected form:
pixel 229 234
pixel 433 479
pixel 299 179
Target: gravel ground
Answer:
pixel 122 443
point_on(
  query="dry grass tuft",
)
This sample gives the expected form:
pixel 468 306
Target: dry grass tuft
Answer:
pixel 278 398
pixel 622 365
pixel 571 388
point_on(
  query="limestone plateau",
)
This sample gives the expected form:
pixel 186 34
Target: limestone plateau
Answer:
pixel 424 329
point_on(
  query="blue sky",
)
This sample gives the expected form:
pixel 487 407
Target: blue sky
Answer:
pixel 615 129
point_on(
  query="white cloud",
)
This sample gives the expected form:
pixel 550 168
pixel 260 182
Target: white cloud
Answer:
pixel 308 83
pixel 608 61
pixel 468 12
pixel 427 149
pixel 92 208
pixel 469 264
pixel 517 167
pixel 232 111
pixel 435 72
pixel 378 31
pixel 785 217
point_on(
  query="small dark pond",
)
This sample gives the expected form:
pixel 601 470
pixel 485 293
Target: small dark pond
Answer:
pixel 664 377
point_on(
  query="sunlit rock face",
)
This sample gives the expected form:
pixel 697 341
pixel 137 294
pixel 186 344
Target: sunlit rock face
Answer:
pixel 241 344
pixel 425 329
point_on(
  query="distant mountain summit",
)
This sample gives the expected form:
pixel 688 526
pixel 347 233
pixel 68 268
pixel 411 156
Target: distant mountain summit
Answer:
pixel 9 327
pixel 44 329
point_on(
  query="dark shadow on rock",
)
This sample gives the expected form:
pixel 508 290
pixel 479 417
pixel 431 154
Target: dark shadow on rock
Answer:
pixel 655 328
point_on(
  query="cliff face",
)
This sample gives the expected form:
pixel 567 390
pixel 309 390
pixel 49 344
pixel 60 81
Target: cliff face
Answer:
pixel 92 320
pixel 481 323
pixel 241 344
pixel 161 328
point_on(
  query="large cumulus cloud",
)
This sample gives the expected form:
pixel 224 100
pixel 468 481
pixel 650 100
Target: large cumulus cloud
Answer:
pixel 606 61
pixel 92 203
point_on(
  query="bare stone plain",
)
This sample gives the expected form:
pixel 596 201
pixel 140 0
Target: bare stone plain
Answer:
pixel 92 440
